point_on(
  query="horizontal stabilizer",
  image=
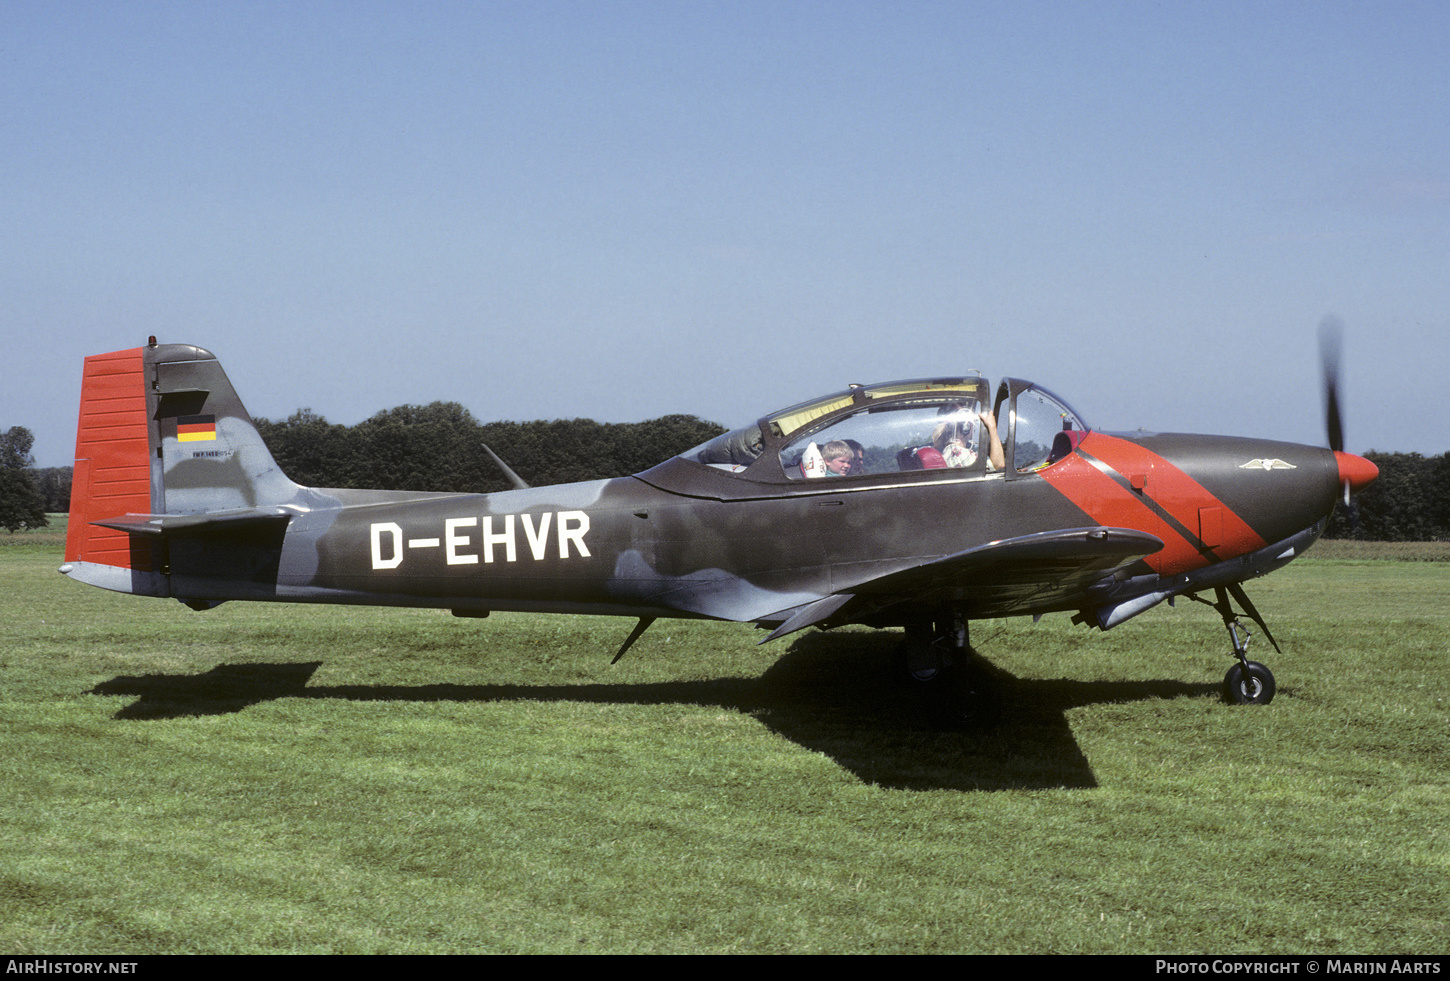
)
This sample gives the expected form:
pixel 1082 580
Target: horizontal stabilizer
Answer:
pixel 160 525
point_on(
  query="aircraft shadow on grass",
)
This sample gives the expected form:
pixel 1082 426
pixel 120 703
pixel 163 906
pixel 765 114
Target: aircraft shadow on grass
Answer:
pixel 835 695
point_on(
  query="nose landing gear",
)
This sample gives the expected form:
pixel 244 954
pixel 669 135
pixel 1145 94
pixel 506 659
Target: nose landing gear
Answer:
pixel 1247 682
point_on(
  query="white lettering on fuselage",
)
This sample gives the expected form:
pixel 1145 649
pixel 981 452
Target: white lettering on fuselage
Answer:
pixel 465 542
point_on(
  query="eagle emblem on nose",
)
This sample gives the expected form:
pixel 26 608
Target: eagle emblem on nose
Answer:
pixel 1261 464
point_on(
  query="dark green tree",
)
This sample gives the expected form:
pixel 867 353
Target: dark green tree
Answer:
pixel 1392 508
pixel 439 447
pixel 566 450
pixel 309 449
pixel 21 503
pixel 1410 502
pixel 434 447
pixel 644 444
pixel 54 484
pixel 1437 492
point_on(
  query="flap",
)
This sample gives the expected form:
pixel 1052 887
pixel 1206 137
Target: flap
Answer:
pixel 809 614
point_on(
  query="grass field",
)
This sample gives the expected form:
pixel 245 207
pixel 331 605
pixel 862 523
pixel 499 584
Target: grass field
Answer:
pixel 267 778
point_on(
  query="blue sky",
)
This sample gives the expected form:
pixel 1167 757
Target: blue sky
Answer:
pixel 621 210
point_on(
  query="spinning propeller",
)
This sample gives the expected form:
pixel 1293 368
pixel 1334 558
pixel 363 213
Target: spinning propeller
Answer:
pixel 1355 472
pixel 1330 333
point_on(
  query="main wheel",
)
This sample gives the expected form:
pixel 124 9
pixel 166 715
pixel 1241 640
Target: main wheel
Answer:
pixel 921 660
pixel 1254 687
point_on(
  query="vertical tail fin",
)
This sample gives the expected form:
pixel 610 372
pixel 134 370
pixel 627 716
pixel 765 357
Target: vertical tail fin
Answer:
pixel 162 434
pixel 209 455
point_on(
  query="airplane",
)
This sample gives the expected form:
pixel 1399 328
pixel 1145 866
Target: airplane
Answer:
pixel 916 504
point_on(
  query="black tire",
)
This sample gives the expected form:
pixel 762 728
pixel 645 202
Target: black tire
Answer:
pixel 922 662
pixel 1254 688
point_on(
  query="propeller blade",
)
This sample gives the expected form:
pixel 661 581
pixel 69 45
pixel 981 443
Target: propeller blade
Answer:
pixel 1330 332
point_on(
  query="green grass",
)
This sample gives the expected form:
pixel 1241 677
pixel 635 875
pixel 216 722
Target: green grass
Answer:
pixel 267 778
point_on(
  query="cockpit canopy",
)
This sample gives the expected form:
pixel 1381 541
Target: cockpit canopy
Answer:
pixel 897 427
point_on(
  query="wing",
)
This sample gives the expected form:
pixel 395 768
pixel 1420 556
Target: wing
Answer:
pixel 1035 573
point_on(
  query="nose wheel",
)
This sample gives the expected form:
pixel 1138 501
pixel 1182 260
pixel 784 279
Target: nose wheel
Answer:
pixel 1247 682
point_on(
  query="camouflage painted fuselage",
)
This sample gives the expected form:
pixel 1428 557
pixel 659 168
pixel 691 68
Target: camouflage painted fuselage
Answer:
pixel 176 495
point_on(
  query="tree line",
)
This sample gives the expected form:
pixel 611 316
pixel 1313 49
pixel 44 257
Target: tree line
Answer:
pixel 440 446
pixel 1410 502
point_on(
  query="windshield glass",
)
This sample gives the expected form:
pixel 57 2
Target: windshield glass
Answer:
pixel 1039 417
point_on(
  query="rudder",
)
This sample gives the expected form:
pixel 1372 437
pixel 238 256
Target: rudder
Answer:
pixel 112 465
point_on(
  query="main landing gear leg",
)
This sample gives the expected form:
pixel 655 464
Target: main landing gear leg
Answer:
pixel 939 655
pixel 1247 682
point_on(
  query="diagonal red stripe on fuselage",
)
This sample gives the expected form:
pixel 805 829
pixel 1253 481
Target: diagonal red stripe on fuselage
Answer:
pixel 1109 503
pixel 1178 494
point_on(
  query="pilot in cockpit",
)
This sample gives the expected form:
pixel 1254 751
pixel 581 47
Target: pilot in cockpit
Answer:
pixel 956 439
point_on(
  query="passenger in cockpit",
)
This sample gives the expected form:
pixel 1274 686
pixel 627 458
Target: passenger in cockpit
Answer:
pixel 839 457
pixel 833 459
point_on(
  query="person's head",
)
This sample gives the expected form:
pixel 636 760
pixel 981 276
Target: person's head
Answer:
pixel 959 428
pixel 838 456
